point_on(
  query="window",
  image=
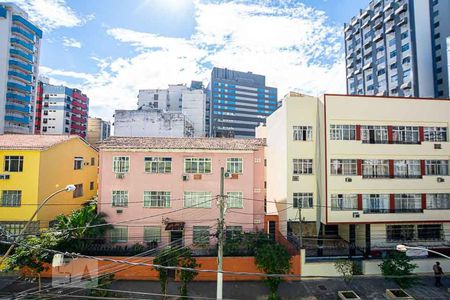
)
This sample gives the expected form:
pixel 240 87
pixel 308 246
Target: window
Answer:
pixel 408 202
pixel 392 42
pixel 435 134
pixel 436 25
pixel 235 200
pixel 303 200
pixel 374 134
pixel 13 163
pixel 400 232
pixel 197 199
pixel 406 134
pixel 393 54
pixel 438 201
pixel 393 66
pixel 302 166
pixel 344 202
pixel 234 165
pixel 156 199
pixel 302 133
pixel 429 232
pixel 119 235
pixel 375 203
pixel 375 168
pixel 11 198
pixel 197 165
pixel 233 232
pixel 381 72
pixel 92 161
pixel 119 198
pixel 158 164
pixel 78 163
pixel 343 167
pixel 405 47
pixel 155 97
pixel 407 168
pixel 394 78
pixel 436 167
pixel 404 35
pixel 200 235
pixel 121 164
pixel 152 234
pixel 342 132
pixel 91 185
pixel 78 191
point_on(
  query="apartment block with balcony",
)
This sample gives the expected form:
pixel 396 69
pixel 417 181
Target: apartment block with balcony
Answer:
pixel 165 190
pixel 61 110
pixel 390 50
pixel 20 42
pixel 374 171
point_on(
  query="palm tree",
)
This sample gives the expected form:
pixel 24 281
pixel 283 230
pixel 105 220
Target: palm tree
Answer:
pixel 77 235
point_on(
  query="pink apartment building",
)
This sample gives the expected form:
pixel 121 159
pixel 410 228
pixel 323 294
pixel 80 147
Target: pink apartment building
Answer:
pixel 165 189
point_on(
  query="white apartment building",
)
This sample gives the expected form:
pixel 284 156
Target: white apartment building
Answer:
pixel 373 170
pixel 20 42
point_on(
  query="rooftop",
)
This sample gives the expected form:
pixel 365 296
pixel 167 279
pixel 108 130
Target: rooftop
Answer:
pixel 181 143
pixel 32 142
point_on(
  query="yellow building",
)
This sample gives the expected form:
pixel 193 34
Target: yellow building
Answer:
pixel 372 171
pixel 34 166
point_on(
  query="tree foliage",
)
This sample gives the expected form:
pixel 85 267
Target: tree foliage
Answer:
pixel 186 260
pixel 273 258
pixel 346 268
pixel 167 258
pixel 398 267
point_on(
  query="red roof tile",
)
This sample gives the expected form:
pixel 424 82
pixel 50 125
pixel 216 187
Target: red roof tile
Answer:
pixel 32 142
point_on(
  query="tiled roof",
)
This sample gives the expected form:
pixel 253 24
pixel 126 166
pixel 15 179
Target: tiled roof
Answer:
pixel 124 143
pixel 32 142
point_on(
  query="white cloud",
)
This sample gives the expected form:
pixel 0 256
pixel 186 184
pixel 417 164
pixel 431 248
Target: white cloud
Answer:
pixel 295 46
pixel 52 14
pixel 71 42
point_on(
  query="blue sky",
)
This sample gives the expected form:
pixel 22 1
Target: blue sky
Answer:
pixel 112 48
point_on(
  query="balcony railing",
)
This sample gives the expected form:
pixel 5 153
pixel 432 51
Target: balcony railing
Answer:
pixel 24 45
pixel 376 176
pixel 376 210
pixel 407 176
pixel 407 210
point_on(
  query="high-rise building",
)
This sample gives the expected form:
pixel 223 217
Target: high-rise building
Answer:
pixel 61 110
pixel 19 60
pixel 397 48
pixel 98 130
pixel 239 102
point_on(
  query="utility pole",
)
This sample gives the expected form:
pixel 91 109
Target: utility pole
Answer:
pixel 221 204
pixel 300 238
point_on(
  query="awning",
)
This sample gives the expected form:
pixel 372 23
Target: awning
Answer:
pixel 175 226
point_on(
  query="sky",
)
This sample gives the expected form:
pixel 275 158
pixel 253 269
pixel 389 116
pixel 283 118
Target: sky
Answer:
pixel 110 49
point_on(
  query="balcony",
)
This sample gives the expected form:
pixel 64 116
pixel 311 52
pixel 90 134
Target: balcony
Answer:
pixel 376 176
pixel 17 108
pixel 406 210
pixel 376 211
pixel 14 119
pixel 16 53
pixel 347 28
pixel 20 76
pixel 78 127
pixel 24 67
pixel 367 66
pixel 378 37
pixel 407 176
pixel 389 16
pixel 403 21
pixel 79 112
pixel 21 44
pixel 16 97
pixel 19 87
pixel 407 85
pixel 401 9
pixel 77 119
pixel 79 104
pixel 377 15
pixel 22 33
pixel 390 29
pixel 23 22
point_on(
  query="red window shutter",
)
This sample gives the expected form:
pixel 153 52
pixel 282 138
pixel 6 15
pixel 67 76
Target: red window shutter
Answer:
pixel 390 134
pixel 392 203
pixel 358 132
pixel 391 168
pixel 359 167
pixel 360 202
pixel 424 201
pixel 422 167
pixel 421 134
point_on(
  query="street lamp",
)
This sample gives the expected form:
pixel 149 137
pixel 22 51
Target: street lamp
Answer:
pixel 404 248
pixel 68 188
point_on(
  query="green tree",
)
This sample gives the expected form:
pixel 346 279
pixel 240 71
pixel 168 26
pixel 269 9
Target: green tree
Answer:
pixel 166 258
pixel 82 237
pixel 346 268
pixel 32 254
pixel 398 267
pixel 186 260
pixel 273 258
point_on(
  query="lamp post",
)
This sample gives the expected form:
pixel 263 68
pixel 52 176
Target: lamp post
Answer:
pixel 404 248
pixel 68 188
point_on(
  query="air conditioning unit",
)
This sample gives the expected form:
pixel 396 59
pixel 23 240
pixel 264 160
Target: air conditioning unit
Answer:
pixel 4 176
pixel 348 179
pixel 228 175
pixel 197 176
pixel 437 146
pixel 120 175
pixel 356 215
pixel 185 177
pixel 295 178
pixel 440 179
pixel 119 211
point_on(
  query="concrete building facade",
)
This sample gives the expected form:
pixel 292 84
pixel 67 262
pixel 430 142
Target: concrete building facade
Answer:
pixel 152 123
pixel 397 48
pixel 20 42
pixel 173 183
pixel 239 102
pixel 60 110
pixel 374 170
pixel 97 130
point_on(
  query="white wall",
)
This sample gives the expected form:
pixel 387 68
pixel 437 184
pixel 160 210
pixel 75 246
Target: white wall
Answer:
pixel 146 98
pixel 194 107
